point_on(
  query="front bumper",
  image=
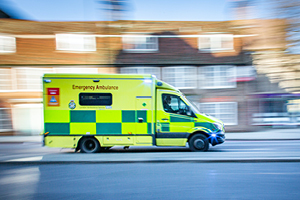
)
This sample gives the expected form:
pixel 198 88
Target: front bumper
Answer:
pixel 218 138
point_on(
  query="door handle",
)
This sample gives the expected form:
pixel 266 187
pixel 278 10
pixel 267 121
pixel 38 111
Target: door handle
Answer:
pixel 165 119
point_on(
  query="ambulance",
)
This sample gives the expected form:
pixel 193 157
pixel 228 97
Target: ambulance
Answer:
pixel 94 112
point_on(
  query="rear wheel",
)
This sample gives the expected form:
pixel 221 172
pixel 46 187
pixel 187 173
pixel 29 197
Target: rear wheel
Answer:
pixel 198 142
pixel 89 145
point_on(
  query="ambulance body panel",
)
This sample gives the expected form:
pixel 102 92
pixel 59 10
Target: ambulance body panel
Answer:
pixel 92 112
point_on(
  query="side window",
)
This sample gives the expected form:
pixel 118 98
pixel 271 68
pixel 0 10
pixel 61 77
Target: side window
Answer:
pixel 182 105
pixel 95 99
pixel 173 104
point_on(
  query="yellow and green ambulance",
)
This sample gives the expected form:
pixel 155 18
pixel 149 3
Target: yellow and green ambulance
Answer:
pixel 93 112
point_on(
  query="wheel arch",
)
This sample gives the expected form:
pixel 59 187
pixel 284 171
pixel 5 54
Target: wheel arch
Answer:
pixel 198 132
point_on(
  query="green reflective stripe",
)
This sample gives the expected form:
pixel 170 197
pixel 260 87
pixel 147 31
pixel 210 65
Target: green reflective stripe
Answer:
pixel 112 128
pixel 206 125
pixel 149 130
pixel 57 128
pixel 142 114
pixel 128 116
pixel 179 119
pixel 83 116
pixel 165 127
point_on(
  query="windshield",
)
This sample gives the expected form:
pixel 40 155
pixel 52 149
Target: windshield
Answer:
pixel 192 105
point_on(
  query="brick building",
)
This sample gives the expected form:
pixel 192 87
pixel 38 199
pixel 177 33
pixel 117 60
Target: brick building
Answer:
pixel 211 62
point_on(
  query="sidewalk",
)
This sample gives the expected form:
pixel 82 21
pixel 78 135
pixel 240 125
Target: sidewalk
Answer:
pixel 270 134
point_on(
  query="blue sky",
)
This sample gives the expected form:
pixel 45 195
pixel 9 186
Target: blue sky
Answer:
pixel 91 10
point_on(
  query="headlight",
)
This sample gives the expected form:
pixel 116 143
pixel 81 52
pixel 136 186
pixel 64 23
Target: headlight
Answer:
pixel 218 126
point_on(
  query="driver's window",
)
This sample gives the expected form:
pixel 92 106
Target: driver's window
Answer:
pixel 170 103
pixel 173 104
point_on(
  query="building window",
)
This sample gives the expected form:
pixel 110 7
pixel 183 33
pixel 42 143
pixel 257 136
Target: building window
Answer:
pixel 245 73
pixel 30 78
pixel 7 44
pixel 217 76
pixel 75 42
pixel 208 43
pixel 225 111
pixel 5 120
pixel 181 77
pixel 140 43
pixel 141 70
pixel 5 79
pixel 95 99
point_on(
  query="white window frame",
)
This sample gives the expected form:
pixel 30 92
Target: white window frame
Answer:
pixel 215 42
pixel 75 42
pixel 142 70
pixel 179 78
pixel 138 41
pixel 7 44
pixel 218 113
pixel 217 83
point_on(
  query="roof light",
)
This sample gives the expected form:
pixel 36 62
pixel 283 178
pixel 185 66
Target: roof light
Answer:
pixel 147 81
pixel 159 83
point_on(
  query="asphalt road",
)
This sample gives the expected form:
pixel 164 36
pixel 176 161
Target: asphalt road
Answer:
pixel 136 181
pixel 233 170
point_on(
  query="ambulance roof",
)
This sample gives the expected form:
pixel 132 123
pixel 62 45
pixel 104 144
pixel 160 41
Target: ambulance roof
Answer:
pixel 138 76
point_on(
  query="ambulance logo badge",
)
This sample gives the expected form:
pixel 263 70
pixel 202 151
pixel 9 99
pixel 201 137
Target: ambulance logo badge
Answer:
pixel 53 100
pixel 72 104
pixel 53 96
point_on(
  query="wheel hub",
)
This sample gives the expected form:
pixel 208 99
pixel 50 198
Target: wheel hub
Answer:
pixel 199 144
pixel 90 145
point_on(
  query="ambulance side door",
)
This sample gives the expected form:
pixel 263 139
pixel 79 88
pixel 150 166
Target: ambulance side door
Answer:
pixel 173 119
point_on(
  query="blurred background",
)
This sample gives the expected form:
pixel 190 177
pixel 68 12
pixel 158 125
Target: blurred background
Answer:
pixel 237 60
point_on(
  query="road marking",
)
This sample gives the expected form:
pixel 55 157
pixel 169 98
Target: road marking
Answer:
pixel 259 149
pixel 37 158
pixel 279 173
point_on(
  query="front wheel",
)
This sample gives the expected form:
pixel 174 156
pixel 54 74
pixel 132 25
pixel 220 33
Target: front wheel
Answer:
pixel 89 145
pixel 199 142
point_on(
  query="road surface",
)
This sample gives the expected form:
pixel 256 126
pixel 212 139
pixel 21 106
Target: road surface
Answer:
pixel 136 181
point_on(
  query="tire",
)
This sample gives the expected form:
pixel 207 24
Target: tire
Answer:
pixel 89 145
pixel 198 142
